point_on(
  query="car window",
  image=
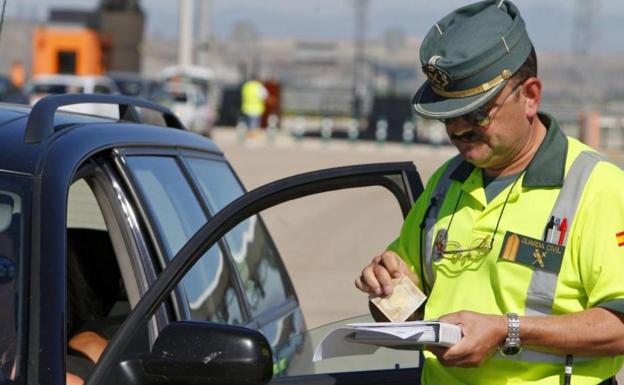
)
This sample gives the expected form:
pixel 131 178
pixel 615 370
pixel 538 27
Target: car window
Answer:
pixel 209 285
pixel 101 89
pixel 178 96
pixel 291 349
pixel 130 87
pixel 13 218
pixel 56 89
pixel 97 297
pixel 256 258
pixel 82 208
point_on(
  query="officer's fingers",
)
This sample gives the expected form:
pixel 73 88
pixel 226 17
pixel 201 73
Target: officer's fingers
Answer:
pixel 369 282
pixel 384 279
pixel 397 267
pixel 393 263
pixel 363 286
pixel 453 356
pixel 455 352
pixel 463 360
pixel 438 351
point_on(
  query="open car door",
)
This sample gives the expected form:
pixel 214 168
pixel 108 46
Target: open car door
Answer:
pixel 209 353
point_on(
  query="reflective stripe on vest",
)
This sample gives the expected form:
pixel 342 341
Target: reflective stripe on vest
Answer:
pixel 535 356
pixel 541 293
pixel 437 198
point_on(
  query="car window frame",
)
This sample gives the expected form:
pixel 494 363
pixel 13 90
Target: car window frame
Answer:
pixel 259 199
pixel 116 207
pixel 25 275
pixel 179 301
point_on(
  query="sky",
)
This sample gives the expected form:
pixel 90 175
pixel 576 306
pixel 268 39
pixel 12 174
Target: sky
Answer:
pixel 550 22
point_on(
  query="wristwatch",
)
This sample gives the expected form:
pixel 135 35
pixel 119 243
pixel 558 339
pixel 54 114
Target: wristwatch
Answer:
pixel 512 346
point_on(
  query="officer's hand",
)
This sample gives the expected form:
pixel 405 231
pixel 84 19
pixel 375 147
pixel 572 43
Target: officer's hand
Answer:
pixel 483 333
pixel 377 276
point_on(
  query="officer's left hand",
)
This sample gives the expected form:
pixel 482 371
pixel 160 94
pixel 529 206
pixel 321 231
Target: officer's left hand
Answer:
pixel 483 333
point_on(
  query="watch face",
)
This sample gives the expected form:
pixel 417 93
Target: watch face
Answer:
pixel 510 350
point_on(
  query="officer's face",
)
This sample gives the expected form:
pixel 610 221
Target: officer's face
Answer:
pixel 498 144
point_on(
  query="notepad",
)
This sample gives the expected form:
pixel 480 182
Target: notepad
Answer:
pixel 365 338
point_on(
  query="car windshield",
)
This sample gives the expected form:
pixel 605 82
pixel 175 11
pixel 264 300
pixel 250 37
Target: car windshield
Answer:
pixel 130 87
pixel 178 96
pixel 383 358
pixel 13 217
pixel 56 89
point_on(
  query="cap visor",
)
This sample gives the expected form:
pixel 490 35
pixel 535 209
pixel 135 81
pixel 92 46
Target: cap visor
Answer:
pixel 430 105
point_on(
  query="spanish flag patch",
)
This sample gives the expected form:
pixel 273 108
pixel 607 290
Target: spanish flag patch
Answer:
pixel 619 237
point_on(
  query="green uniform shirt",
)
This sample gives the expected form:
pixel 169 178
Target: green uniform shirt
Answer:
pixel 590 269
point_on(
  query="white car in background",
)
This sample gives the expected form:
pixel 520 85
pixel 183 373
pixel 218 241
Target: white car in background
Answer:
pixel 191 106
pixel 43 85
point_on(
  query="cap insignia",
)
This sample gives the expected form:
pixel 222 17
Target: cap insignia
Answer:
pixel 439 78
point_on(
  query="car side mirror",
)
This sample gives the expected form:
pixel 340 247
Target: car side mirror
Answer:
pixel 188 352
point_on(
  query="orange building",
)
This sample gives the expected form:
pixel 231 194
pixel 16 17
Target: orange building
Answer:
pixel 79 51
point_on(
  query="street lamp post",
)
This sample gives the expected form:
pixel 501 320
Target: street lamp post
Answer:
pixel 359 56
pixel 185 33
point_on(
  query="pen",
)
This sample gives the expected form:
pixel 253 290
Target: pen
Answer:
pixel 549 227
pixel 553 232
pixel 562 230
pixel 567 376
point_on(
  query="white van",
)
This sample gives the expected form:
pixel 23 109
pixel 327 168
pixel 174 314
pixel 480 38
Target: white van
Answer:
pixel 43 85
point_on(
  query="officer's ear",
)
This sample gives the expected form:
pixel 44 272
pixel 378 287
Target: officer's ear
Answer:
pixel 532 92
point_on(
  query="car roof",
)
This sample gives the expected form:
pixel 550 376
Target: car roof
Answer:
pixel 77 136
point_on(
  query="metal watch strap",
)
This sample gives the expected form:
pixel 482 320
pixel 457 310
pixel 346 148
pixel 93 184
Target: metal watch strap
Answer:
pixel 512 345
pixel 513 329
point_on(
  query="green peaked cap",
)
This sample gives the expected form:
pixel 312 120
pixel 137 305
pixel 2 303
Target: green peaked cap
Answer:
pixel 468 57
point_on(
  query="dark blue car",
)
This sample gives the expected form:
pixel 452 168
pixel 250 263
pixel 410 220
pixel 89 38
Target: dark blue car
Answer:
pixel 144 235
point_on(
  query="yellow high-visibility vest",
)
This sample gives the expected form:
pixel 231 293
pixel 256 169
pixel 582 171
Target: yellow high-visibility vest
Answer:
pixel 588 272
pixel 253 96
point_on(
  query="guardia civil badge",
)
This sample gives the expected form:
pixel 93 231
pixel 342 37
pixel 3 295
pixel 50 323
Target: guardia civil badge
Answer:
pixel 532 252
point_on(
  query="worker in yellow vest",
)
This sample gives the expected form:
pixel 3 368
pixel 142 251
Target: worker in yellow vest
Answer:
pixel 519 239
pixel 253 95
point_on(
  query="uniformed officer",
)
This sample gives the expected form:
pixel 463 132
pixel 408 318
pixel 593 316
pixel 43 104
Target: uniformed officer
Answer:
pixel 253 96
pixel 520 238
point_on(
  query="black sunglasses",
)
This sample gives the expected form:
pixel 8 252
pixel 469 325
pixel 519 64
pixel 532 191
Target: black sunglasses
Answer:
pixel 482 116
